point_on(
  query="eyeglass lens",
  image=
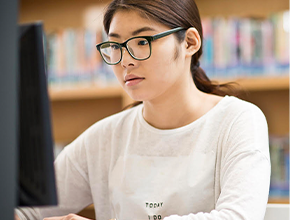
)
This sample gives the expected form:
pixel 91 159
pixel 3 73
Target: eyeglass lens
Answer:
pixel 139 48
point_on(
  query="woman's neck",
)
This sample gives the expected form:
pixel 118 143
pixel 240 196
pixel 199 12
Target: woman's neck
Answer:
pixel 176 109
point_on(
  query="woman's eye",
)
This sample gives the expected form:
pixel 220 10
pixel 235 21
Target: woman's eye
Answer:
pixel 143 42
pixel 115 47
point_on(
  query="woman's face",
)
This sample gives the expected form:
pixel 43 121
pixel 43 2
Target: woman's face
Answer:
pixel 162 74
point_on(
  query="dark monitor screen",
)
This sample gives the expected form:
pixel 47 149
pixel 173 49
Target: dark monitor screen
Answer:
pixel 36 185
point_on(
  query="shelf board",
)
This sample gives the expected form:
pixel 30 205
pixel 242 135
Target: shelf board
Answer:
pixel 279 200
pixel 84 92
pixel 260 83
pixel 93 92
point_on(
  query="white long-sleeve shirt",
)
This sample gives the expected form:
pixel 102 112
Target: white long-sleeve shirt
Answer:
pixel 217 167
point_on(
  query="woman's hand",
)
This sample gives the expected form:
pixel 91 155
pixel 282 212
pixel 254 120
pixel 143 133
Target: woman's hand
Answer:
pixel 67 217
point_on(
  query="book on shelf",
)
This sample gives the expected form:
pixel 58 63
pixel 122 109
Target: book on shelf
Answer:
pixel 279 155
pixel 246 47
pixel 72 58
pixel 232 48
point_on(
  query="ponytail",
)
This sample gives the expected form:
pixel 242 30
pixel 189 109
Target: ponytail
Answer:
pixel 204 84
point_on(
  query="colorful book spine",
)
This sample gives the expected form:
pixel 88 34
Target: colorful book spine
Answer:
pixel 246 47
pixel 232 48
pixel 72 58
pixel 279 155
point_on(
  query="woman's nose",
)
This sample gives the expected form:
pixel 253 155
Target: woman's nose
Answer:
pixel 127 59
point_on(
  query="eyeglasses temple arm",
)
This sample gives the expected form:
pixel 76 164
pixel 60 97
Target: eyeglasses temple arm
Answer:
pixel 157 36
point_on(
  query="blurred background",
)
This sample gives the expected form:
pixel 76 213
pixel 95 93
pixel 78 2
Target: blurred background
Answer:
pixel 245 41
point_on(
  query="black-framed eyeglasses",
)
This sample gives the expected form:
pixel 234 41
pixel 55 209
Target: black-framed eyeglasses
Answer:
pixel 138 47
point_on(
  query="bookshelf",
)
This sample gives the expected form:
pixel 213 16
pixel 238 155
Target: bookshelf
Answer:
pixel 280 201
pixel 60 14
pixel 261 83
pixel 92 92
pixel 258 8
pixel 74 109
pixel 84 92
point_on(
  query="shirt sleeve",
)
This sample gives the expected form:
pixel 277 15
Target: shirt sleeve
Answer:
pixel 244 171
pixel 73 188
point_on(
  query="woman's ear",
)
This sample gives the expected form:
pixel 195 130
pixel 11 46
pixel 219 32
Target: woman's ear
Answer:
pixel 192 41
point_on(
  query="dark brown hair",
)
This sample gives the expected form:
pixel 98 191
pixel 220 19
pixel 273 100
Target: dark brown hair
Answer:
pixel 174 13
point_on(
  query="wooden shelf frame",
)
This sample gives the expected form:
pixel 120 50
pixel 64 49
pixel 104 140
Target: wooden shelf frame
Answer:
pixel 94 92
pixel 263 83
pixel 279 200
pixel 84 92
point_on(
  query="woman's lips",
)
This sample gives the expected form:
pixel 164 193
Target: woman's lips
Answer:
pixel 133 82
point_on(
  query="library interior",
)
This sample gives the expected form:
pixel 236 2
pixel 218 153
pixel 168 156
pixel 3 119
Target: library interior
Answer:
pixel 244 41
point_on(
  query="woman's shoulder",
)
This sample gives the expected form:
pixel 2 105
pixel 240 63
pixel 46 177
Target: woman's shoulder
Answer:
pixel 241 112
pixel 233 111
pixel 100 132
pixel 234 105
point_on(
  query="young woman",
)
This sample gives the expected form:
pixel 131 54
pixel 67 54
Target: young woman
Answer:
pixel 190 150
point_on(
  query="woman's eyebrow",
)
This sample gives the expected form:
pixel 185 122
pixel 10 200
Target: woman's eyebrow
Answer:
pixel 138 31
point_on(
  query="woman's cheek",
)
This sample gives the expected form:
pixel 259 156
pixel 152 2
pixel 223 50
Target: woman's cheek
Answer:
pixel 117 70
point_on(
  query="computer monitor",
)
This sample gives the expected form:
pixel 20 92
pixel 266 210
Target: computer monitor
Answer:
pixel 36 183
pixel 8 96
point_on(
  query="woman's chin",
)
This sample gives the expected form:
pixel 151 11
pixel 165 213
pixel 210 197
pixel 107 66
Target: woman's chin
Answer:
pixel 137 97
